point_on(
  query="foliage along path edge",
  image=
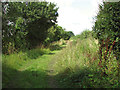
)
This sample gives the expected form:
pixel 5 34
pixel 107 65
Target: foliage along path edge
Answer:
pixel 38 73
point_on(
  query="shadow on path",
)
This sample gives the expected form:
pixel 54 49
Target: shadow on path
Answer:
pixel 24 79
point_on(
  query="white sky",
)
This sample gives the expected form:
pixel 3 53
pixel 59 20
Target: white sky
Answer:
pixel 76 15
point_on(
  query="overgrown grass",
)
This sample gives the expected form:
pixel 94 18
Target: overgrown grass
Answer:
pixel 77 66
pixel 26 69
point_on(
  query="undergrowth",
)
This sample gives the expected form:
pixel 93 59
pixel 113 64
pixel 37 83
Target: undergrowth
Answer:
pixel 77 66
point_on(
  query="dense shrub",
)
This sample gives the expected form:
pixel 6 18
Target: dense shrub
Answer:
pixel 107 30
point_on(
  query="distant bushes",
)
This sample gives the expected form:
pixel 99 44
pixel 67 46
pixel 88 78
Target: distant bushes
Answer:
pixel 56 33
pixel 85 34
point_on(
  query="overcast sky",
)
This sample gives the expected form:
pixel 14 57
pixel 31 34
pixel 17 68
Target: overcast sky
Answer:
pixel 76 15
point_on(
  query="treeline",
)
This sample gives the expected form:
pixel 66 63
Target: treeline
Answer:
pixel 26 25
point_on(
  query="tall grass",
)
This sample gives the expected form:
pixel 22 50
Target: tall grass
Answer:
pixel 77 66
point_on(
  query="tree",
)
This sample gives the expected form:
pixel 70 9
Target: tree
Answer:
pixel 40 18
pixel 10 30
pixel 27 23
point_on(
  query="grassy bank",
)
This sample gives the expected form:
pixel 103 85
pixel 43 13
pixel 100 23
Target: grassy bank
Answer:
pixel 77 66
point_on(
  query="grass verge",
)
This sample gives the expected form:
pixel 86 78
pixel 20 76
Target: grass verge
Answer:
pixel 26 69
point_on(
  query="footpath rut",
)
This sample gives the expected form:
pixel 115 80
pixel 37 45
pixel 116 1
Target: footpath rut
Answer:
pixel 51 75
pixel 52 83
